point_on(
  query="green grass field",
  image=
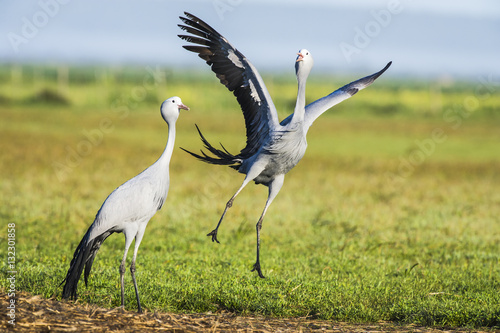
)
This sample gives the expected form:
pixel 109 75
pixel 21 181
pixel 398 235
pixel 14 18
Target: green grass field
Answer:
pixel 393 214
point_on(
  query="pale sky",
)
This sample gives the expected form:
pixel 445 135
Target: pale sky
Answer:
pixel 422 38
pixel 481 8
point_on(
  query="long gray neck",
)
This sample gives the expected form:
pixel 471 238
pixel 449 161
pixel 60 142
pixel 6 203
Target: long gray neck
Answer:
pixel 300 105
pixel 165 157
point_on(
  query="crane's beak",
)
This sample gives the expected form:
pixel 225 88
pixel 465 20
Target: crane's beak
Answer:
pixel 182 106
pixel 300 57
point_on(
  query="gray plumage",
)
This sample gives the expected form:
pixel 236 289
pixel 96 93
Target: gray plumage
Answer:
pixel 127 209
pixel 272 148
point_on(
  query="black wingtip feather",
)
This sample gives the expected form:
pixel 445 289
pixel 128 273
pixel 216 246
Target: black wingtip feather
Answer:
pixel 194 31
pixel 375 76
pixel 198 23
pixel 383 69
pixel 355 86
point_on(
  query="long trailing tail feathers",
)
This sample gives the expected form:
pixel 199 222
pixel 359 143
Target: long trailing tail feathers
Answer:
pixel 82 258
pixel 222 157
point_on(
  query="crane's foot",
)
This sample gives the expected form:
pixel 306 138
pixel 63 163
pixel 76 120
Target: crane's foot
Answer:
pixel 256 267
pixel 213 233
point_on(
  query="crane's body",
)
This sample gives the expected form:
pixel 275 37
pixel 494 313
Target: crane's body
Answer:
pixel 135 202
pixel 281 153
pixel 127 210
pixel 273 148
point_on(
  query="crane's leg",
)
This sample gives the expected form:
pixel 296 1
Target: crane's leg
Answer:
pixel 128 240
pixel 251 175
pixel 274 189
pixel 138 239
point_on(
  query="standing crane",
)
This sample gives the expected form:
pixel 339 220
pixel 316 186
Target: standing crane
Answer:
pixel 272 148
pixel 127 209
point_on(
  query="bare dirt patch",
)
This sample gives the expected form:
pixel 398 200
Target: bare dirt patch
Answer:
pixel 38 314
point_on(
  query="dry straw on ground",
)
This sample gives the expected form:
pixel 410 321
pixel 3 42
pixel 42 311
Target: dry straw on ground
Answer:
pixel 37 314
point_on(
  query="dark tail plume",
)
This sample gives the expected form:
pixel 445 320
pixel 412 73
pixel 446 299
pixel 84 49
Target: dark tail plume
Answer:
pixel 222 157
pixel 83 257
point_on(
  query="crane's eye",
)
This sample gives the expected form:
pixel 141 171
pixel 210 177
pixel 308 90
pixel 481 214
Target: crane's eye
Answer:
pixel 307 53
pixel 173 101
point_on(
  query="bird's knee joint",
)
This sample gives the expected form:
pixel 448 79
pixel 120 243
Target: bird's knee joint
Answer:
pixel 132 268
pixel 258 226
pixel 122 268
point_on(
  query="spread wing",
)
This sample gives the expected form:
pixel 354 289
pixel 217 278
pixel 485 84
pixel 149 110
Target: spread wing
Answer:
pixel 318 107
pixel 238 75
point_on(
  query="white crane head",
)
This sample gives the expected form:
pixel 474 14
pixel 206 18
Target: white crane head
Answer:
pixel 170 109
pixel 303 63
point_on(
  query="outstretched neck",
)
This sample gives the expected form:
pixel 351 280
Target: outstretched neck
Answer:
pixel 300 105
